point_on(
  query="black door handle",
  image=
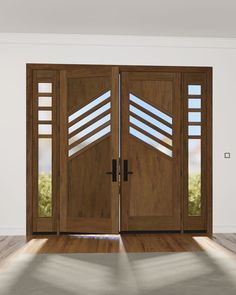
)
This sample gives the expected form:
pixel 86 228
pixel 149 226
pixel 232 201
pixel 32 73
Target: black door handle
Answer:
pixel 126 170
pixel 114 170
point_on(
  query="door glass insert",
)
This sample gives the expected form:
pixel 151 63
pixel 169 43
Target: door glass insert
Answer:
pixel 90 117
pixel 89 106
pixel 150 141
pixel 89 140
pixel 150 108
pixel 91 128
pixel 150 119
pixel 150 130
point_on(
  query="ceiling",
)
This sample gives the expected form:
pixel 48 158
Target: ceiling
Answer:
pixel 194 18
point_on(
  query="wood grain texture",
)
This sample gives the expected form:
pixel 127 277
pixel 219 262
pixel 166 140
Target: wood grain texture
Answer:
pixel 89 189
pixel 12 246
pixel 83 90
pixel 151 197
pixel 89 202
pixel 86 82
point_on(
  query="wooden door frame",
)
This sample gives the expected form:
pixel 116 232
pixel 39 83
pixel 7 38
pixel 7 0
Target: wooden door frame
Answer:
pixel 30 170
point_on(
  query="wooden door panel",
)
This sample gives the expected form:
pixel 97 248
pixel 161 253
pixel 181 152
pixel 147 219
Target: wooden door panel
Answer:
pixel 151 144
pixel 151 89
pixel 89 128
pixel 143 203
pixel 93 200
pixel 83 90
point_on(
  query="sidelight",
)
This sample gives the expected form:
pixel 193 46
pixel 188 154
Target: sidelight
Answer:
pixel 194 177
pixel 44 177
pixel 45 143
pixel 194 151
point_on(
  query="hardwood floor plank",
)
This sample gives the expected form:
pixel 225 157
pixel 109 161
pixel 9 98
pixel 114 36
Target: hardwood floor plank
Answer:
pixel 10 246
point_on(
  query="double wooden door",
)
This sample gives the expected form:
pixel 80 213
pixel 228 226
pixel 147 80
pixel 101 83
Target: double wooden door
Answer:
pixel 127 143
pixel 118 148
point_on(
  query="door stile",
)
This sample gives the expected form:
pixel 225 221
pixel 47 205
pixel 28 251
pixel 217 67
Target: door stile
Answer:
pixel 63 152
pixel 124 206
pixel 115 148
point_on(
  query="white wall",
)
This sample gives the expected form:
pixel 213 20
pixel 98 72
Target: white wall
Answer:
pixel 18 49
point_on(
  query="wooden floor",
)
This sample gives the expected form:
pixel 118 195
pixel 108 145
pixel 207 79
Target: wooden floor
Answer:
pixel 10 246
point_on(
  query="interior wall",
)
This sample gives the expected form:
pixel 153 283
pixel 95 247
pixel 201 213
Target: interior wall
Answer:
pixel 18 49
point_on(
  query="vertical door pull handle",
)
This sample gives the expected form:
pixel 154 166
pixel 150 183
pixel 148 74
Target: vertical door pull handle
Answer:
pixel 114 170
pixel 126 170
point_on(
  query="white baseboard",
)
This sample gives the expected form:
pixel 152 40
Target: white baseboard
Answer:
pixel 12 231
pixel 224 229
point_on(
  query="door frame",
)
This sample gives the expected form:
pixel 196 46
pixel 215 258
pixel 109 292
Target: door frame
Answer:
pixel 30 137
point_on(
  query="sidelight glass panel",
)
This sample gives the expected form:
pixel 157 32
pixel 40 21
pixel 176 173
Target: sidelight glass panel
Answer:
pixel 194 130
pixel 194 177
pixel 45 87
pixel 45 115
pixel 45 101
pixel 44 177
pixel 194 90
pixel 194 117
pixel 45 129
pixel 194 103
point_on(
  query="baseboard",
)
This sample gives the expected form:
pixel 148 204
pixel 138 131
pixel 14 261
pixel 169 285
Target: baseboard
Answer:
pixel 224 229
pixel 12 231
